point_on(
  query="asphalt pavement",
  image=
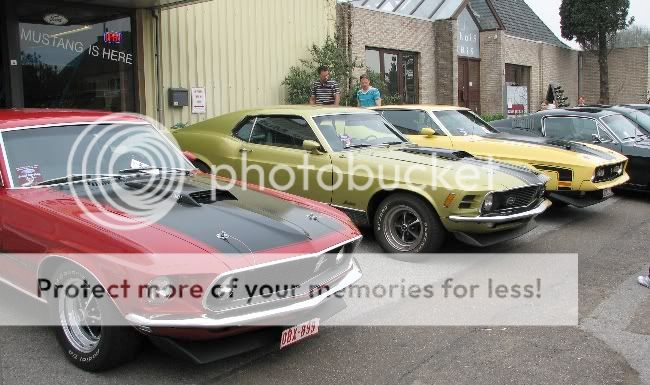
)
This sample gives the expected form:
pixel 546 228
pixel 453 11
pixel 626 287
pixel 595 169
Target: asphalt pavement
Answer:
pixel 611 345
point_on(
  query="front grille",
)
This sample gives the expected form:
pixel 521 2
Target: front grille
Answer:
pixel 516 200
pixel 282 280
pixel 608 173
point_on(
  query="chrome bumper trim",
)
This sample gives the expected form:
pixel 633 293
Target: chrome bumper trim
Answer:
pixel 204 321
pixel 504 218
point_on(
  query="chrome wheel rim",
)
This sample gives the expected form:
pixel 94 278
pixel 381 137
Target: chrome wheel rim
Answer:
pixel 403 228
pixel 80 319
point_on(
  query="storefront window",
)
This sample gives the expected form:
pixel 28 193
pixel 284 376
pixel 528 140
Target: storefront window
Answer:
pixel 398 70
pixel 74 58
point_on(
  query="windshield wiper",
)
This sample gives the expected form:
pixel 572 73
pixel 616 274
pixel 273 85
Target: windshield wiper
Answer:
pixel 159 169
pixel 392 143
pixel 360 145
pixel 76 178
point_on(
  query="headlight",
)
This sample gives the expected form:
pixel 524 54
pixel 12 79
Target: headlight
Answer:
pixel 159 290
pixel 618 170
pixel 488 202
pixel 600 173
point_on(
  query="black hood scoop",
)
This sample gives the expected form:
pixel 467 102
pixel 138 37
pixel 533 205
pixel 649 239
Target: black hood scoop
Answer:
pixel 439 152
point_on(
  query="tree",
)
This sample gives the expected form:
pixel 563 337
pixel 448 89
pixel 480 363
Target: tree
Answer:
pixel 594 24
pixel 342 68
pixel 635 36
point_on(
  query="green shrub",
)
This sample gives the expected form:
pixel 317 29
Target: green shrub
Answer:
pixel 492 117
pixel 342 68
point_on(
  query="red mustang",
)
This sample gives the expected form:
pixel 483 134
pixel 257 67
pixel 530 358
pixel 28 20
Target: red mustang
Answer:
pixel 107 205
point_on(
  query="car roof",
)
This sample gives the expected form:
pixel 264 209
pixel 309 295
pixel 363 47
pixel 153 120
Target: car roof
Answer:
pixel 580 111
pixel 26 117
pixel 637 106
pixel 303 109
pixel 433 107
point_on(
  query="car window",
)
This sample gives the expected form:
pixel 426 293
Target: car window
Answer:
pixel 462 122
pixel 282 131
pixel 411 122
pixel 243 131
pixel 621 126
pixel 83 149
pixel 571 128
pixel 349 130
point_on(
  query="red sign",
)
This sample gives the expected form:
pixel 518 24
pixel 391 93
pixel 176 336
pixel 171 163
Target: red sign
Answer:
pixel 113 37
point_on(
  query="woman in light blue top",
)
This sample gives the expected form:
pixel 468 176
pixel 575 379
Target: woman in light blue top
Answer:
pixel 368 96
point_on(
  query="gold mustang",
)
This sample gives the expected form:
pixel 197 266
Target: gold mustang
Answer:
pixel 580 174
pixel 356 161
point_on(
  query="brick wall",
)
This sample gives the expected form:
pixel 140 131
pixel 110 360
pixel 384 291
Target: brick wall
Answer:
pixel 548 64
pixel 382 30
pixel 445 32
pixel 492 72
pixel 629 75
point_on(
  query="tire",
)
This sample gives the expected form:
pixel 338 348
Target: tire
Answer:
pixel 202 166
pixel 425 235
pixel 90 348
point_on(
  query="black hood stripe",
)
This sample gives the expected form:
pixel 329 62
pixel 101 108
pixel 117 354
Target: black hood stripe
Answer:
pixel 526 175
pixel 576 147
pixel 252 222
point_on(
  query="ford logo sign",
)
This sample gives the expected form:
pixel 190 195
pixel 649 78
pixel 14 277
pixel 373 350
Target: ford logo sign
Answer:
pixel 510 201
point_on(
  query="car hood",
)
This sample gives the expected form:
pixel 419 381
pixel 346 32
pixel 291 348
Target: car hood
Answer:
pixel 239 221
pixel 639 149
pixel 508 176
pixel 536 150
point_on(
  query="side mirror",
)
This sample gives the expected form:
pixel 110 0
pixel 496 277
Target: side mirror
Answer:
pixel 597 138
pixel 428 132
pixel 311 146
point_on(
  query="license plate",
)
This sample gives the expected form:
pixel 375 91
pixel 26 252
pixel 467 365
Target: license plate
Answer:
pixel 607 193
pixel 299 332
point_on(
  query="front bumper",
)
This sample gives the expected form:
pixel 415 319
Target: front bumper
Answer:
pixel 269 317
pixel 530 214
pixel 579 199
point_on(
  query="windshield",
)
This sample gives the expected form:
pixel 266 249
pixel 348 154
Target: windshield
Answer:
pixel 622 127
pixel 357 130
pixel 35 155
pixel 642 121
pixel 463 122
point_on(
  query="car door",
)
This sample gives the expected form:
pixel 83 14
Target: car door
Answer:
pixel 411 122
pixel 274 157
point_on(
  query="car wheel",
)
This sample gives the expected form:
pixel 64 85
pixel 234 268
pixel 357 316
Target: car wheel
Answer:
pixel 82 332
pixel 201 166
pixel 405 223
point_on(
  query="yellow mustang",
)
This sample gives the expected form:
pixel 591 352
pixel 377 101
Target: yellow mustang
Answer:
pixel 580 174
pixel 354 160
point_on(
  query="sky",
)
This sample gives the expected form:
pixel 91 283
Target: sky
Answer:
pixel 549 12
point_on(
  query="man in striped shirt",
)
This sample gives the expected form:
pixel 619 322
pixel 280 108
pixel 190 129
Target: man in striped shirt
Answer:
pixel 325 92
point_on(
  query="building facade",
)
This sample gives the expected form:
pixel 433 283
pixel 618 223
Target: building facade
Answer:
pixel 177 61
pixel 493 56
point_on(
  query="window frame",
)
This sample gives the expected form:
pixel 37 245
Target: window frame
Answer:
pixel 257 117
pixel 599 126
pixel 401 84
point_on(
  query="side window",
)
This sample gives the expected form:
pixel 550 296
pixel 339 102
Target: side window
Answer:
pixel 577 129
pixel 282 131
pixel 244 129
pixel 410 122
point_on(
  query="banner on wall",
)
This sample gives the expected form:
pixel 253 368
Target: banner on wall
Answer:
pixel 517 97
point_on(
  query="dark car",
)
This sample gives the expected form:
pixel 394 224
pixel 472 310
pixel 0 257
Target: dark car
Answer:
pixel 64 226
pixel 645 108
pixel 638 117
pixel 598 125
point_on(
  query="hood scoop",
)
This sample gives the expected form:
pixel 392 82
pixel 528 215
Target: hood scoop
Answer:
pixel 439 153
pixel 207 197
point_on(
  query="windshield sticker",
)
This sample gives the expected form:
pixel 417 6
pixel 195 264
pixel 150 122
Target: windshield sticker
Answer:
pixel 29 175
pixel 138 164
pixel 346 140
